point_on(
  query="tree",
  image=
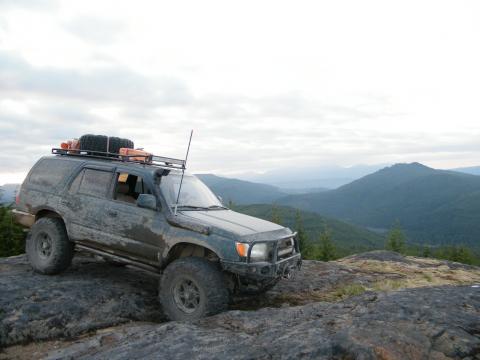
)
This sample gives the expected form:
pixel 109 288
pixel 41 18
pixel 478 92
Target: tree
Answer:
pixel 302 237
pixel 426 251
pixel 396 239
pixel 459 254
pixel 12 237
pixel 276 217
pixel 326 250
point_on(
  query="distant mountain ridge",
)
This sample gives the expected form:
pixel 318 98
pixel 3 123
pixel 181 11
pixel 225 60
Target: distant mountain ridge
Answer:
pixel 240 191
pixel 294 177
pixel 7 193
pixel 473 170
pixel 434 206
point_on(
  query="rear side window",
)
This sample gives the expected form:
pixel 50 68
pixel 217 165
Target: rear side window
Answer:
pixel 94 182
pixel 51 172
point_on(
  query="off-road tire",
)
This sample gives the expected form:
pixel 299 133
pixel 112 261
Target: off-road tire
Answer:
pixel 99 143
pixel 61 248
pixel 207 276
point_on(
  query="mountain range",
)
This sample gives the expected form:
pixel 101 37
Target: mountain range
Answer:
pixel 433 206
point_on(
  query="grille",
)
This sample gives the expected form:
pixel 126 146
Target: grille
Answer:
pixel 285 248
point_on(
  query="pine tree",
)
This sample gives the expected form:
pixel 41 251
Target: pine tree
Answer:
pixel 396 239
pixel 426 251
pixel 12 237
pixel 326 249
pixel 276 217
pixel 302 237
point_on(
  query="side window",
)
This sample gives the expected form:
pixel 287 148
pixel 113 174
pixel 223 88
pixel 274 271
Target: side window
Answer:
pixel 129 187
pixel 94 182
pixel 50 172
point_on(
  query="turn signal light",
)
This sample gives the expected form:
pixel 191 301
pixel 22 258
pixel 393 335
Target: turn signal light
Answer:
pixel 242 249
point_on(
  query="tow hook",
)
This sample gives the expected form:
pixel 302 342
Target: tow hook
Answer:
pixel 287 273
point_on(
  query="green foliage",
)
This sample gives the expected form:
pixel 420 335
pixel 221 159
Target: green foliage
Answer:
pixel 326 249
pixel 459 254
pixel 396 239
pixel 303 240
pixel 276 217
pixel 426 251
pixel 12 236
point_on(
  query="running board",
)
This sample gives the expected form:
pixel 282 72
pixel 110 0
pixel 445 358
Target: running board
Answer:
pixel 149 268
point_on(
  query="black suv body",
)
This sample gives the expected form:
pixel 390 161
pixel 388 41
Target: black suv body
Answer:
pixel 128 212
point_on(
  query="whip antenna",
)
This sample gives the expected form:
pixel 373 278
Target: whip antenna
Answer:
pixel 183 173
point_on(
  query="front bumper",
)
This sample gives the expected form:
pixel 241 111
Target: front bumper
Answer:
pixel 264 270
pixel 23 218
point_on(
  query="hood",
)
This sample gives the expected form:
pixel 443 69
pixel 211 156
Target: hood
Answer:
pixel 233 224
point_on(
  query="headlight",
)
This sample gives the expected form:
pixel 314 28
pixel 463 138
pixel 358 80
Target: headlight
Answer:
pixel 259 252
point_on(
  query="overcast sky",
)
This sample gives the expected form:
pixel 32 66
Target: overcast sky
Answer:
pixel 263 84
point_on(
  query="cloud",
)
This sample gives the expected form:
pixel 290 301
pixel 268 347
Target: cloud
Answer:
pixel 115 84
pixel 29 4
pixel 96 30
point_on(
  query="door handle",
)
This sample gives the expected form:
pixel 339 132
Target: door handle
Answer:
pixel 112 213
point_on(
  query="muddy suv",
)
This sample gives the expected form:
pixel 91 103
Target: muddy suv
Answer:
pixel 127 212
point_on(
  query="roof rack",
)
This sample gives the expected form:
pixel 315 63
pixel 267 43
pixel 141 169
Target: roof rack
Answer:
pixel 150 159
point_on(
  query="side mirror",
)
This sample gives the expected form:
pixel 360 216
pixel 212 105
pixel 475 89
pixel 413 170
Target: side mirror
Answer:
pixel 147 201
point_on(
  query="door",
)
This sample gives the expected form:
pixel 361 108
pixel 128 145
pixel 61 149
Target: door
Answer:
pixel 135 231
pixel 83 205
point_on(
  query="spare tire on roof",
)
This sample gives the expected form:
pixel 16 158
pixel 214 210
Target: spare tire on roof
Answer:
pixel 99 143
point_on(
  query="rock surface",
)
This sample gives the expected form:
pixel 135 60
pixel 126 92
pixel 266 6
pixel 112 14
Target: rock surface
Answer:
pixel 372 305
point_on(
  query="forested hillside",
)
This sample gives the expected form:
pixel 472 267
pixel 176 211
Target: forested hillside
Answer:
pixel 433 206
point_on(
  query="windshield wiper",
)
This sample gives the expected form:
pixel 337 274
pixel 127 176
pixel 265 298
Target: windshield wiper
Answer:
pixel 190 207
pixel 217 207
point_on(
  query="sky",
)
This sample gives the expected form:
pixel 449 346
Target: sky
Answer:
pixel 263 84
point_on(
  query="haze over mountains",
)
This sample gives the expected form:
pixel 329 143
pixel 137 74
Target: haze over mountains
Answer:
pixel 314 177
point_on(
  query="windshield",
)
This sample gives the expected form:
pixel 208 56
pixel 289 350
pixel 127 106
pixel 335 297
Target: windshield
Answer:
pixel 194 194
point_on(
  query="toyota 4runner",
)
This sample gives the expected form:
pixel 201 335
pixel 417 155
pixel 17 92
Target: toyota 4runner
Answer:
pixel 127 212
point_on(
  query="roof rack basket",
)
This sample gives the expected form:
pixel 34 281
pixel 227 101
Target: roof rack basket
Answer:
pixel 154 160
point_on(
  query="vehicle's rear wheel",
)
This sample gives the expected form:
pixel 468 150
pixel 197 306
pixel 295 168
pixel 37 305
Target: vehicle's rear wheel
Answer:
pixel 191 288
pixel 48 248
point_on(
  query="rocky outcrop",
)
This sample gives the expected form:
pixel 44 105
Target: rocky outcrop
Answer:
pixel 88 296
pixel 412 323
pixel 373 305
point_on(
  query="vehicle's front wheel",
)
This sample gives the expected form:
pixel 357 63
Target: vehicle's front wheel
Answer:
pixel 191 288
pixel 48 248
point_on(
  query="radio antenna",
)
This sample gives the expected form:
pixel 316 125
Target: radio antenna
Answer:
pixel 183 172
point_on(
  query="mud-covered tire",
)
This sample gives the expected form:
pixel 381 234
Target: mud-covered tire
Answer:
pixel 48 248
pixel 100 142
pixel 209 281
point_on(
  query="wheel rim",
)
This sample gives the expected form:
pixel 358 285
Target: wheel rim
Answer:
pixel 43 244
pixel 186 295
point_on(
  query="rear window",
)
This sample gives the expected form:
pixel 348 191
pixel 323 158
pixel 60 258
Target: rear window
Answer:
pixel 51 172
